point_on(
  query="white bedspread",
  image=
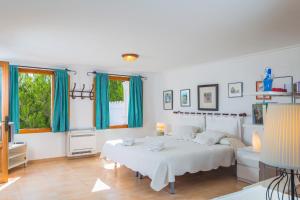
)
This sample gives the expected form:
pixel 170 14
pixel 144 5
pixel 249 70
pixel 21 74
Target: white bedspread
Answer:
pixel 177 158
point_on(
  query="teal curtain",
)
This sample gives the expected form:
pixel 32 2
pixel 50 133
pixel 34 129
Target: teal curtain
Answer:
pixel 135 110
pixel 60 120
pixel 102 101
pixel 14 96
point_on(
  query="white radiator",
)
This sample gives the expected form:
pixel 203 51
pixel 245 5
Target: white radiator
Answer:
pixel 81 143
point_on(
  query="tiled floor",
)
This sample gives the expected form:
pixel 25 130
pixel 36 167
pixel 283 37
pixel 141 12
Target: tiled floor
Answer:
pixel 92 178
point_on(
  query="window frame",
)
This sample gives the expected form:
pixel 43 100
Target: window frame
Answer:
pixel 115 78
pixel 46 72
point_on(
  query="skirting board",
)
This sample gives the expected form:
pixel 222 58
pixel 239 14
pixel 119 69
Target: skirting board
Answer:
pixel 60 158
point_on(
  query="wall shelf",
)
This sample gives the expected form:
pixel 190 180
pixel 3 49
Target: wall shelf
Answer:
pixel 278 94
pixel 271 93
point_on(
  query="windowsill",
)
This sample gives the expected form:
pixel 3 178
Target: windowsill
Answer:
pixel 40 133
pixel 49 130
pixel 118 126
pixel 35 130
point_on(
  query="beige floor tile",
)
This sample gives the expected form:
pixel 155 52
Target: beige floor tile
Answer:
pixel 93 178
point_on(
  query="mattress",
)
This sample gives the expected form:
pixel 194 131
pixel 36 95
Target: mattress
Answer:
pixel 177 158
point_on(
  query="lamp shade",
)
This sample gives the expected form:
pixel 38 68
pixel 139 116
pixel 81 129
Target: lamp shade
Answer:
pixel 160 127
pixel 281 139
pixel 256 142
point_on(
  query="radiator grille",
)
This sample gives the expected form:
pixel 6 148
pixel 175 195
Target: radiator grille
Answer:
pixel 85 135
pixel 81 152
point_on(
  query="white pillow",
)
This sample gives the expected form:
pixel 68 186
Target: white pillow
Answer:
pixel 209 137
pixel 185 132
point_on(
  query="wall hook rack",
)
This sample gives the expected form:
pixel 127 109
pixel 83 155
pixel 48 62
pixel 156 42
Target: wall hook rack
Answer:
pixel 211 114
pixel 83 94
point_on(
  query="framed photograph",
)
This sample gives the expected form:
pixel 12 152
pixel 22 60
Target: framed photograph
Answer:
pixel 258 112
pixel 235 90
pixel 185 100
pixel 260 88
pixel 208 97
pixel 168 99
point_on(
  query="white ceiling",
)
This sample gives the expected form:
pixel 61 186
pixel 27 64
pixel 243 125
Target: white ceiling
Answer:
pixel 166 33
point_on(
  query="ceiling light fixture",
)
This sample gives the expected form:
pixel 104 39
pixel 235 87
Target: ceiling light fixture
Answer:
pixel 130 57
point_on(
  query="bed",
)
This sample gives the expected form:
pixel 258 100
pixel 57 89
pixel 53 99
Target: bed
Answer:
pixel 177 158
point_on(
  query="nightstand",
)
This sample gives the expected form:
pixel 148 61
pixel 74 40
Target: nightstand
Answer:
pixel 248 165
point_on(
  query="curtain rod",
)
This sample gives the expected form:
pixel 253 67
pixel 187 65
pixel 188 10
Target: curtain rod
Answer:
pixel 94 72
pixel 46 68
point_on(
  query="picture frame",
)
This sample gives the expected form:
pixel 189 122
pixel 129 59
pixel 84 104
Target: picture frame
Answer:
pixel 258 113
pixel 235 90
pixel 185 98
pixel 168 100
pixel 260 88
pixel 208 97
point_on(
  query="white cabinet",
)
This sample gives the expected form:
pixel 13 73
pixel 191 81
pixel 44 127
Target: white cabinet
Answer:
pixel 17 155
pixel 248 165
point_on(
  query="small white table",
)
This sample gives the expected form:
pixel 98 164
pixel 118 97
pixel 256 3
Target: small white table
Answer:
pixel 17 155
pixel 248 165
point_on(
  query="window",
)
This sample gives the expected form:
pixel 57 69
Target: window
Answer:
pixel 118 101
pixel 35 98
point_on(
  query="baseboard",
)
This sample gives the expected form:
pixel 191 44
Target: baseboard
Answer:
pixel 84 156
pixel 60 158
pixel 47 160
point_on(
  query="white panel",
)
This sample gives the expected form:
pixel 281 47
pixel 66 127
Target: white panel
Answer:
pixel 248 160
pixel 231 125
pixel 81 143
pixel 248 173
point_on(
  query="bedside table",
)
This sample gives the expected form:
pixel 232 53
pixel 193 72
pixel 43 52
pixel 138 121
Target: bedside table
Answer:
pixel 248 165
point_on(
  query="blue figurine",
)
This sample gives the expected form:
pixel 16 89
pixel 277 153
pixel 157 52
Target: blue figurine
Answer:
pixel 268 81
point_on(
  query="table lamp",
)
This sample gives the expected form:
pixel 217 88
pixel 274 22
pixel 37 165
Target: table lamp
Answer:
pixel 281 146
pixel 256 142
pixel 160 128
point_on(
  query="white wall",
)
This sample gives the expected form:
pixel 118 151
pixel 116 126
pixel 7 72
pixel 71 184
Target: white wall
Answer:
pixel 247 69
pixel 48 145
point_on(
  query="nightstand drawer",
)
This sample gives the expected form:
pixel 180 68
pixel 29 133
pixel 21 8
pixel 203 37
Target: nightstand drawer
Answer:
pixel 249 174
pixel 248 160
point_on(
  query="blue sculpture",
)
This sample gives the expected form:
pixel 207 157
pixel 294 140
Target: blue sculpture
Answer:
pixel 268 81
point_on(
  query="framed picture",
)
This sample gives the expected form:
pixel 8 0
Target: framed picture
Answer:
pixel 208 97
pixel 258 112
pixel 260 88
pixel 185 100
pixel 168 99
pixel 235 90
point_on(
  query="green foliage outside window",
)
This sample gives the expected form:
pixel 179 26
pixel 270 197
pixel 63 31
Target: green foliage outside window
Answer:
pixel 115 90
pixel 35 100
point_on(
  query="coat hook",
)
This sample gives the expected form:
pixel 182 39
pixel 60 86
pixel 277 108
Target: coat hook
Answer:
pixel 92 92
pixel 72 92
pixel 82 97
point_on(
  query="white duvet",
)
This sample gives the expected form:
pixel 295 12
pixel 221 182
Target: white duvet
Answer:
pixel 177 158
